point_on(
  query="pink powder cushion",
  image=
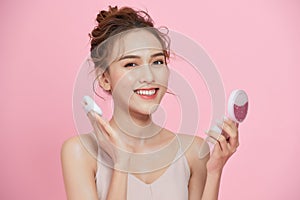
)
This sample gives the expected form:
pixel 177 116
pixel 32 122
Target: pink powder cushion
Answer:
pixel 238 105
pixel 240 112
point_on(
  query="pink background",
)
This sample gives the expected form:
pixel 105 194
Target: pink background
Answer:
pixel 44 42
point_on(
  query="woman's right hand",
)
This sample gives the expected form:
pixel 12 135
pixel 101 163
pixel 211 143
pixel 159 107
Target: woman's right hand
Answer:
pixel 110 142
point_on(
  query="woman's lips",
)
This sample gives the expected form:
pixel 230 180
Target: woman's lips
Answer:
pixel 147 93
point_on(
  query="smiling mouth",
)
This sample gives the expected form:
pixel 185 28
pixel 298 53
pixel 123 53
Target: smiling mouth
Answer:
pixel 146 92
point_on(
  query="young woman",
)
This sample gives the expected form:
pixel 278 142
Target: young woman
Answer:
pixel 134 157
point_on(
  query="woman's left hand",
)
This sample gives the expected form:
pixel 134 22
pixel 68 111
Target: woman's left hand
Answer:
pixel 226 144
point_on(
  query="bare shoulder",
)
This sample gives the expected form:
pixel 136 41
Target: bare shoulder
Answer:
pixel 80 148
pixel 197 154
pixel 191 142
pixel 79 167
pixel 196 149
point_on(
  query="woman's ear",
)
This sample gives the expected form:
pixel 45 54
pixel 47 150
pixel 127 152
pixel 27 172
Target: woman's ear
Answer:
pixel 104 81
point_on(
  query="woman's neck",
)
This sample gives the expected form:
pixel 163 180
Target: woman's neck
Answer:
pixel 134 128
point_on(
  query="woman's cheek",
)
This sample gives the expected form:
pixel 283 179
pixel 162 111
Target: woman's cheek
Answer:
pixel 163 76
pixel 123 81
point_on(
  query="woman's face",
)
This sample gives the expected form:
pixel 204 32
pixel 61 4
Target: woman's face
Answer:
pixel 138 76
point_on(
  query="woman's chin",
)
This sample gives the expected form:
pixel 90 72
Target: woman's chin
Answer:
pixel 148 109
pixel 153 108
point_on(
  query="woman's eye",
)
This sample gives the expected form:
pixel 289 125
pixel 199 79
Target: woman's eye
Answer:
pixel 159 62
pixel 130 65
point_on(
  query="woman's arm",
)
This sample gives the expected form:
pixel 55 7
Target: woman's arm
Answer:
pixel 203 184
pixel 197 168
pixel 212 186
pixel 79 168
pixel 224 148
pixel 206 172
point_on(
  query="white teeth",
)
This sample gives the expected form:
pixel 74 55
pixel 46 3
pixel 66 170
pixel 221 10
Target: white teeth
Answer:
pixel 145 92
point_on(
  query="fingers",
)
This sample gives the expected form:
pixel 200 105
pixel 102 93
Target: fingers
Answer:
pixel 223 144
pixel 224 137
pixel 215 137
pixel 105 125
pixel 221 148
pixel 214 134
pixel 102 128
pixel 230 131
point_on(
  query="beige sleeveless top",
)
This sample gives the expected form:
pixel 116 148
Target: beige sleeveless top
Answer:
pixel 172 184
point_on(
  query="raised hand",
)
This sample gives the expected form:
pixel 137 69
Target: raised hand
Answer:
pixel 225 145
pixel 110 141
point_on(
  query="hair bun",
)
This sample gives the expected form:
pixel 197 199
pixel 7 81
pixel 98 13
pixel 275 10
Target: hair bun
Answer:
pixel 103 13
pixel 114 20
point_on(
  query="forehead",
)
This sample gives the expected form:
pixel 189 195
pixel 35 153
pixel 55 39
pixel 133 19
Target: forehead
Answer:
pixel 136 42
pixel 139 40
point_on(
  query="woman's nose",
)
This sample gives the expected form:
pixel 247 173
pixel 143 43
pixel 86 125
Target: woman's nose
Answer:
pixel 147 74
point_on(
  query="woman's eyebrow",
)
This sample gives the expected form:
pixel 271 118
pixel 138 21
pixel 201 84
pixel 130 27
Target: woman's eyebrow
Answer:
pixel 135 56
pixel 157 54
pixel 129 57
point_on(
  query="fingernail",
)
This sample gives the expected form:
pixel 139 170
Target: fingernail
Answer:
pixel 216 129
pixel 225 118
pixel 220 123
pixel 211 140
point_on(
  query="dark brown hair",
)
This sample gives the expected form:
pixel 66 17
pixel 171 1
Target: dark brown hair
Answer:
pixel 115 21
